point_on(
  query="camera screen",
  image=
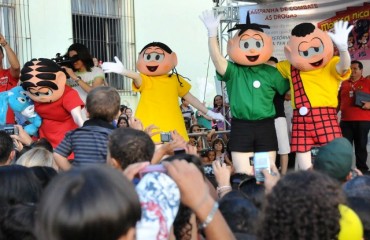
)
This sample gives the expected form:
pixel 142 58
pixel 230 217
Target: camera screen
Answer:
pixel 9 129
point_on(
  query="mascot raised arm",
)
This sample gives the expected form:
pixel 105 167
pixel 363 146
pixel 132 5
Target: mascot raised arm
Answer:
pixel 315 76
pixel 251 86
pixel 58 105
pixel 160 89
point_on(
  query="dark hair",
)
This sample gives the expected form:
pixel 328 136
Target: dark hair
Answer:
pixel 214 100
pixel 239 212
pixel 128 145
pixel 120 119
pixel 182 226
pixel 219 140
pixel 248 25
pixel 18 184
pixel 83 55
pixel 1 50
pixel 87 203
pixel 192 127
pixel 157 44
pixel 253 191
pixel 44 174
pixel 43 143
pixel 122 108
pixel 18 223
pixel 6 147
pixel 302 205
pixel 360 65
pixel 44 66
pixel 303 29
pixel 103 103
pixel 274 59
pixel 361 207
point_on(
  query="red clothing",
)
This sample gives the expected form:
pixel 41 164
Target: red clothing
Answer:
pixel 56 116
pixel 7 82
pixel 351 112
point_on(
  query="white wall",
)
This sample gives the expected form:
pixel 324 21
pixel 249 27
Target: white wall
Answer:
pixel 51 27
pixel 177 24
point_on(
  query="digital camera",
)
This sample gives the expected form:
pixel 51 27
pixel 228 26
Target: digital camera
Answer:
pixel 9 129
pixel 165 137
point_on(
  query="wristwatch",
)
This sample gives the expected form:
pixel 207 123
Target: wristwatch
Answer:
pixel 78 79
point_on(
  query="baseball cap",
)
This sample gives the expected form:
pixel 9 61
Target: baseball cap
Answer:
pixel 160 200
pixel 335 159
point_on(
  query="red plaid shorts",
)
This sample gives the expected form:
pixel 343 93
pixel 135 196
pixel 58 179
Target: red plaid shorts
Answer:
pixel 317 128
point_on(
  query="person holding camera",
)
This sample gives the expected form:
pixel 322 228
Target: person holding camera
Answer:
pixel 84 76
pixel 9 77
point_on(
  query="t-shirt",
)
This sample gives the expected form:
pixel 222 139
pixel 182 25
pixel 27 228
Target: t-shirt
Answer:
pixel 7 82
pixel 56 116
pixel 89 78
pixel 251 90
pixel 158 103
pixel 351 112
pixel 321 85
pixel 88 143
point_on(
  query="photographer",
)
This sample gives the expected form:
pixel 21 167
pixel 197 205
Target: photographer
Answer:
pixel 9 77
pixel 84 76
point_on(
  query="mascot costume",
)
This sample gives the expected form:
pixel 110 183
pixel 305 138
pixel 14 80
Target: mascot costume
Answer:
pixel 58 105
pixel 315 77
pixel 251 86
pixel 17 99
pixel 160 90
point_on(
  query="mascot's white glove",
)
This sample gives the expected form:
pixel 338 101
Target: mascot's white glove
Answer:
pixel 211 22
pixel 340 35
pixel 216 116
pixel 115 67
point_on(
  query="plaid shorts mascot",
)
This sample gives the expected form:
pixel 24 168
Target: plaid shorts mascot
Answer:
pixel 315 76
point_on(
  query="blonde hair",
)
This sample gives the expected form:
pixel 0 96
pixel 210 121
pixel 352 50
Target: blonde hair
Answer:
pixel 37 157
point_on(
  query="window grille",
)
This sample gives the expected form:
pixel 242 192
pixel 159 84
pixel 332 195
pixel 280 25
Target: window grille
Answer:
pixel 17 35
pixel 99 25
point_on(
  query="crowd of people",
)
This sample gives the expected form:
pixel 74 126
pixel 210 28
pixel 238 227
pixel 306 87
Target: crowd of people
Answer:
pixel 112 175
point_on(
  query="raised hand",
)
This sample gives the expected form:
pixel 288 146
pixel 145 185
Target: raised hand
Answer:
pixel 340 35
pixel 115 67
pixel 211 22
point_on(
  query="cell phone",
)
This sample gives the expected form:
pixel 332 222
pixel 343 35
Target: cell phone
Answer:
pixel 314 151
pixel 177 151
pixel 208 170
pixel 261 161
pixel 165 137
pixel 152 168
pixel 9 129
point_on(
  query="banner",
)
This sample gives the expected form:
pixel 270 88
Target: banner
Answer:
pixel 283 17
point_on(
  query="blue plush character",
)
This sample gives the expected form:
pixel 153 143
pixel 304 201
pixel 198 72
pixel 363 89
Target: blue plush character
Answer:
pixel 17 99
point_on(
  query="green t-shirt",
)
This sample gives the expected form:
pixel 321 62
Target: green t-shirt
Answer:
pixel 251 90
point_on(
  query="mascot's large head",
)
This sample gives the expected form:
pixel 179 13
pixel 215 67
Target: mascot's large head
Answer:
pixel 309 48
pixel 43 79
pixel 250 46
pixel 156 59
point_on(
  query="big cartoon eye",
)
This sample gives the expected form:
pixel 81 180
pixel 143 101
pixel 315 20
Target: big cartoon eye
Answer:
pixel 312 51
pixel 251 43
pixel 21 100
pixel 23 93
pixel 157 57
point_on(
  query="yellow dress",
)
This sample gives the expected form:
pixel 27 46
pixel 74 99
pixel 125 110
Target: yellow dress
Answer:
pixel 159 103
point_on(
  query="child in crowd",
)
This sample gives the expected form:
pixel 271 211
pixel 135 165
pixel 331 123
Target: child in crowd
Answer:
pixel 89 143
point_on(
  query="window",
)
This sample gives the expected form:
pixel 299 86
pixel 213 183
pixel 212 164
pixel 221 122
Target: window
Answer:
pixel 98 25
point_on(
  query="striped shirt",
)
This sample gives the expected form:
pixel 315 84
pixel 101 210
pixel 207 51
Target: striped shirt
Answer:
pixel 88 143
